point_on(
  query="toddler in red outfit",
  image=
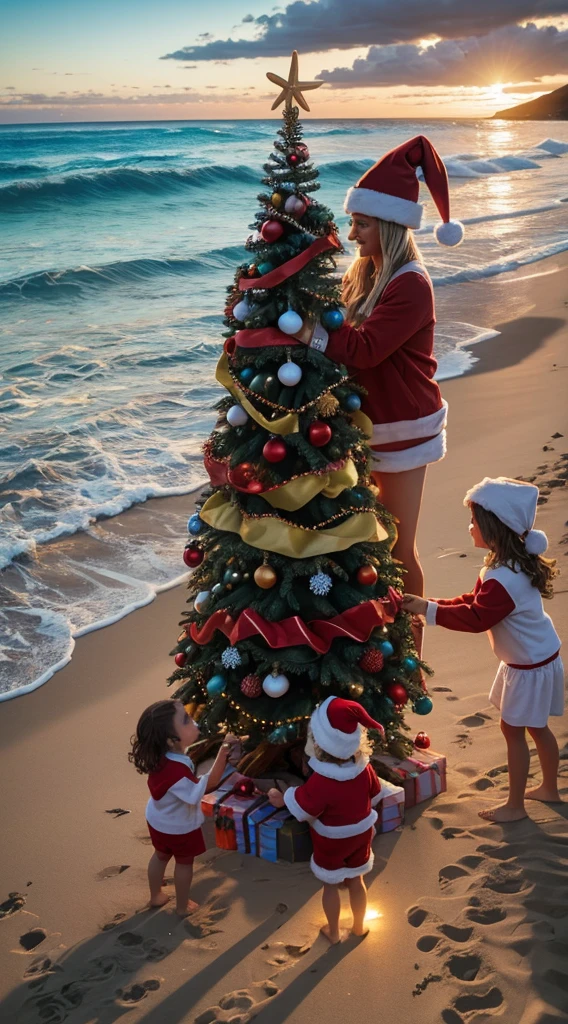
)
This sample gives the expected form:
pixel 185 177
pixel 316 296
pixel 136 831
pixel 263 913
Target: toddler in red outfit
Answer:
pixel 173 812
pixel 338 801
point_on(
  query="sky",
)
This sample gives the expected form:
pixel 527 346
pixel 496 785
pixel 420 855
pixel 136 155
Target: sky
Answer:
pixel 120 60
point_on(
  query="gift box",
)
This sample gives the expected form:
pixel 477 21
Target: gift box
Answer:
pixel 239 808
pixel 268 834
pixel 294 841
pixel 228 782
pixel 423 775
pixel 389 807
pixel 254 821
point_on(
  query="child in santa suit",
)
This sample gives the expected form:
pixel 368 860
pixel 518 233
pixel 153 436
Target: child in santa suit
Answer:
pixel 506 602
pixel 338 801
pixel 173 812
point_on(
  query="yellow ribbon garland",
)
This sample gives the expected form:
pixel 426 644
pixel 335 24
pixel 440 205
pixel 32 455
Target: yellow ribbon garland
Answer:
pixel 296 493
pixel 287 424
pixel 270 534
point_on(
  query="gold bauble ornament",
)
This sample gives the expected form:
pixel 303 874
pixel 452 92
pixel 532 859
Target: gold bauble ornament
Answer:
pixel 276 199
pixel 355 690
pixel 327 405
pixel 265 577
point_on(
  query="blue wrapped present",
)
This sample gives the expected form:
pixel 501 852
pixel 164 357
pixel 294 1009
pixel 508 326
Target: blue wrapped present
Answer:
pixel 268 834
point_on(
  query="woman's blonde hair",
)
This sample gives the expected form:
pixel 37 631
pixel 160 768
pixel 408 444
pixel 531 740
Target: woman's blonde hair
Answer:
pixel 362 284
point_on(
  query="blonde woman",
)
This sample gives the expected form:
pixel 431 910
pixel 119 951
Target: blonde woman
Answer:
pixel 388 338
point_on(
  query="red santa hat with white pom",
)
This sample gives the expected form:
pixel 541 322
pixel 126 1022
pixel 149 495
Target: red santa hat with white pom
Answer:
pixel 389 190
pixel 337 726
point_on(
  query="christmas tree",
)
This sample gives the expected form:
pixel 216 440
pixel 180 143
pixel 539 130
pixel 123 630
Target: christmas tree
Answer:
pixel 294 594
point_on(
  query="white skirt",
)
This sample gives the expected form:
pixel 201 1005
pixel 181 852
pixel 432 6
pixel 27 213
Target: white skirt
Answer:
pixel 527 696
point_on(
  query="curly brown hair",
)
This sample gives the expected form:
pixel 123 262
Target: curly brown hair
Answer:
pixel 507 548
pixel 150 744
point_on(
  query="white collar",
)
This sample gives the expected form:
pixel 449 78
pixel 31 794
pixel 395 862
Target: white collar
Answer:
pixel 182 758
pixel 413 267
pixel 340 772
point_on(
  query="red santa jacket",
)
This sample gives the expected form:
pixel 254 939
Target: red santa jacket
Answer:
pixel 391 356
pixel 337 800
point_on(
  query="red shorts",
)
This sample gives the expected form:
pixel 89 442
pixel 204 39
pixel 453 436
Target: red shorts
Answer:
pixel 183 847
pixel 334 860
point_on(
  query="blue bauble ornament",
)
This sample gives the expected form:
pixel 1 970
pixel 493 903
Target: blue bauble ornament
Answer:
pixel 422 706
pixel 265 268
pixel 217 589
pixel 290 322
pixel 232 576
pixel 352 403
pixel 242 310
pixel 194 524
pixel 389 705
pixel 216 685
pixel 332 319
pixel 409 664
pixel 291 731
pixel 246 375
pixel 290 374
pixel 386 648
pixel 278 735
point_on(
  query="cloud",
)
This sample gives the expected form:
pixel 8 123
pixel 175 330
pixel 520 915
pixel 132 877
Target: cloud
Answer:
pixel 510 54
pixel 43 101
pixel 335 24
pixel 248 18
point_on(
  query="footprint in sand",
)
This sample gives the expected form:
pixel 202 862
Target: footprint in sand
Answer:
pixel 114 923
pixel 441 689
pixel 112 872
pixel 491 1000
pixel 286 954
pixel 16 901
pixel 30 940
pixel 203 921
pixel 240 1006
pixel 464 966
pixel 475 720
pixel 136 992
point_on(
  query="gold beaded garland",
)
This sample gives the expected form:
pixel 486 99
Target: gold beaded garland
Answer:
pixel 284 408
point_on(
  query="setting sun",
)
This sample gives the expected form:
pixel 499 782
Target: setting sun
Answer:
pixel 496 90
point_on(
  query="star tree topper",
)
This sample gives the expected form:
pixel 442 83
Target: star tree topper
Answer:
pixel 291 89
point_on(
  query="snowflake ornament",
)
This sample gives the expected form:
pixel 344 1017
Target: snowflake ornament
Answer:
pixel 231 658
pixel 321 584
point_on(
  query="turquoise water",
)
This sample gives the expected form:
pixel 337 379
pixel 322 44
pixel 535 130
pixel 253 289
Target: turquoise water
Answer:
pixel 118 242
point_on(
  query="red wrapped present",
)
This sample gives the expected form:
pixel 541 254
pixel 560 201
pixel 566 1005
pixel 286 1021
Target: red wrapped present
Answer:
pixel 227 785
pixel 423 775
pixel 389 806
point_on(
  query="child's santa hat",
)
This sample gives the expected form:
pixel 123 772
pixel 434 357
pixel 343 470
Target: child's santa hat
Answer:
pixel 514 503
pixel 337 726
pixel 389 190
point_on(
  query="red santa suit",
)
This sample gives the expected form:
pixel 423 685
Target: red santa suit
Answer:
pixel 338 801
pixel 391 353
pixel 529 685
pixel 391 356
pixel 173 812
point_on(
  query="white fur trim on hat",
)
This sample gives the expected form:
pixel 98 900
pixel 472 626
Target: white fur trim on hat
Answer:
pixel 333 741
pixel 512 501
pixel 449 233
pixel 536 542
pixel 333 876
pixel 385 207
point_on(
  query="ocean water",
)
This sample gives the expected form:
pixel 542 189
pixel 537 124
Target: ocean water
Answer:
pixel 118 241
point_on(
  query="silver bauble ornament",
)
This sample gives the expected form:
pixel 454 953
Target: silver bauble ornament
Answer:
pixel 290 322
pixel 276 685
pixel 290 374
pixel 237 416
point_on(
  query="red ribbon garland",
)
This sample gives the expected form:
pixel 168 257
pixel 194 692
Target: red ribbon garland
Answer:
pixel 291 267
pixel 356 623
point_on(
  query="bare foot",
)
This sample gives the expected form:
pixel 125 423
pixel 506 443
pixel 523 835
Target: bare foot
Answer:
pixel 191 906
pixel 548 796
pixel 360 932
pixel 502 813
pixel 334 937
pixel 160 900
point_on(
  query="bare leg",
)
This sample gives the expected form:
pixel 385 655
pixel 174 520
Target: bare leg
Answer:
pixel 331 903
pixel 183 876
pixel 401 494
pixel 547 750
pixel 358 901
pixel 518 763
pixel 156 872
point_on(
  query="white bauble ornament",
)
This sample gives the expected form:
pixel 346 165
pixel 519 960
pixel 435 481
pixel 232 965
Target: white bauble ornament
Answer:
pixel 290 374
pixel 275 685
pixel 242 310
pixel 237 416
pixel 202 600
pixel 290 322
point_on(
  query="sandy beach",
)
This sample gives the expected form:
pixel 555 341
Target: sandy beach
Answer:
pixel 471 919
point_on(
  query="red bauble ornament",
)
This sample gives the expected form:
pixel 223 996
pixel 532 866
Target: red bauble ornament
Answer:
pixel 193 556
pixel 180 659
pixel 274 450
pixel 367 575
pixel 293 159
pixel 251 686
pixel 319 433
pixel 302 151
pixel 372 660
pixel 397 693
pixel 245 478
pixel 422 741
pixel 245 788
pixel 252 270
pixel 271 230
